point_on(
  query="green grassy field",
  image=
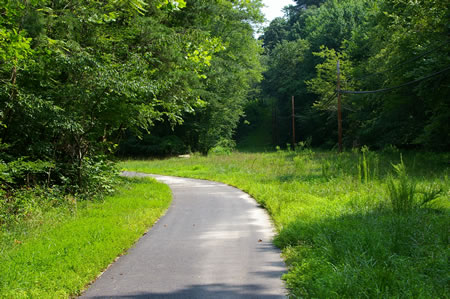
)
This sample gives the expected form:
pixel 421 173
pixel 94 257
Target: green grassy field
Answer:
pixel 57 255
pixel 349 225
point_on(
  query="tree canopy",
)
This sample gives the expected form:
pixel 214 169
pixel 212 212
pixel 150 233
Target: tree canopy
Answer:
pixel 77 76
pixel 380 44
pixel 81 79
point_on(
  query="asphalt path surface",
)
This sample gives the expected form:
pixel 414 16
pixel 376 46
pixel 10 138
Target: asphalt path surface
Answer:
pixel 213 242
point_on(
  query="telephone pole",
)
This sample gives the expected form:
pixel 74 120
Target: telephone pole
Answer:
pixel 339 111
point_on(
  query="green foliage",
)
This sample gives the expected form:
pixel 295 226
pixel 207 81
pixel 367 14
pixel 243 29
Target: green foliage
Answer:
pixel 316 30
pixel 309 2
pixel 22 197
pixel 75 78
pixel 99 176
pixel 21 172
pixel 172 4
pixel 237 76
pixel 25 204
pixel 339 235
pixel 404 193
pixel 227 74
pixel 152 146
pixel 59 252
pixel 252 132
pixel 380 44
pixel 401 192
pixel 223 147
pixel 325 82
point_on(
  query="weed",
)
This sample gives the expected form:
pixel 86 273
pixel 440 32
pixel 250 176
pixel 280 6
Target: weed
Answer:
pixel 367 165
pixel 429 194
pixel 302 145
pixel 337 236
pixel 302 161
pixel 401 190
pixel 326 170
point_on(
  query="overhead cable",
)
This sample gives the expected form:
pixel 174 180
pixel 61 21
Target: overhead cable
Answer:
pixel 394 87
pixel 406 62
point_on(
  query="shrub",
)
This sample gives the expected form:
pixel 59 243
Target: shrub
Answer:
pixel 25 203
pixel 22 172
pixel 99 176
pixel 223 147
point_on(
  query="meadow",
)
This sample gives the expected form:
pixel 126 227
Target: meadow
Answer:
pixel 57 253
pixel 360 224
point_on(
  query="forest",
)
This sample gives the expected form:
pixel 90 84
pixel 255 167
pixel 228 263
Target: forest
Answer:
pixel 84 84
pixel 84 80
pixel 77 77
pixel 393 54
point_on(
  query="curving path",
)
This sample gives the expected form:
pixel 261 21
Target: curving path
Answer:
pixel 214 242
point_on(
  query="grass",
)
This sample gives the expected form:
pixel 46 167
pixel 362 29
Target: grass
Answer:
pixel 59 254
pixel 336 222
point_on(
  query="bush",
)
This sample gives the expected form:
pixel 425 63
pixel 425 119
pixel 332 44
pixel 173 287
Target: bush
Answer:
pixel 22 172
pixel 99 175
pixel 32 187
pixel 223 147
pixel 26 203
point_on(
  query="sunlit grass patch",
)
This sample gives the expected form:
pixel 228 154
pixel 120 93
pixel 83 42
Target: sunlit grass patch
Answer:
pixel 60 257
pixel 340 233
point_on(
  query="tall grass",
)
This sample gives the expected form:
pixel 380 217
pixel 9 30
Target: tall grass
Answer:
pixel 401 191
pixel 404 194
pixel 339 229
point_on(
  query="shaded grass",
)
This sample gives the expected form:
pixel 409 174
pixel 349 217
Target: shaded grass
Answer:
pixel 336 226
pixel 69 248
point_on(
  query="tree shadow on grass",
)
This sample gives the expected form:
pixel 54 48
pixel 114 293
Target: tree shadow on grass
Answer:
pixel 371 254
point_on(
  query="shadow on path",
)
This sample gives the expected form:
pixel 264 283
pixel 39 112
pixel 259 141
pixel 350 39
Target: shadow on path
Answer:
pixel 203 291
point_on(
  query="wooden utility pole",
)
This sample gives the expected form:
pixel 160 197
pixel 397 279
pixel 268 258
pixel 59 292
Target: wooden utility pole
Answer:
pixel 293 122
pixel 339 107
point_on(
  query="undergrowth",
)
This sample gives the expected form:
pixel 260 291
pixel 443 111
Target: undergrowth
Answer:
pixel 360 224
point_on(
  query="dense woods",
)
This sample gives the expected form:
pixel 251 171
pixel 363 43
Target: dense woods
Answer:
pixel 84 80
pixel 79 76
pixel 380 44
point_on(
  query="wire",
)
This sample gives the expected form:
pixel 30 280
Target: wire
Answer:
pixel 395 87
pixel 331 98
pixel 405 62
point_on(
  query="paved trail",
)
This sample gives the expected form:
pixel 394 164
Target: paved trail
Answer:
pixel 214 242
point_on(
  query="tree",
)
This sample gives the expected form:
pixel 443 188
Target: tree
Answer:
pixel 316 27
pixel 230 74
pixel 76 75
